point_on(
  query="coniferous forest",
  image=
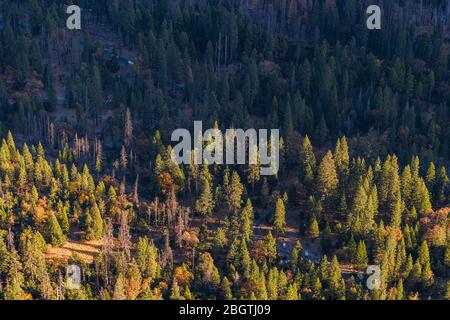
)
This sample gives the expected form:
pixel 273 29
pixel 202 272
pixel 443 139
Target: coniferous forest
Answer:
pixel 87 178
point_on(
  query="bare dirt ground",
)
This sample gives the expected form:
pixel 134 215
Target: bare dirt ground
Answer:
pixel 285 243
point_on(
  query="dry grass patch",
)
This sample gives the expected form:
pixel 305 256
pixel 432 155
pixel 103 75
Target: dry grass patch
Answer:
pixel 85 250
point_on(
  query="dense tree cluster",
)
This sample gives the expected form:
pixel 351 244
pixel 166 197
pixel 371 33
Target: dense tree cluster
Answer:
pixel 389 221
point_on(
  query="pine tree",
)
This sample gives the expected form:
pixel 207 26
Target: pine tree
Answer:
pixel 396 213
pixel 400 258
pixel 314 229
pixel 270 244
pixel 431 176
pixel 317 288
pixel 226 289
pixel 361 259
pixel 282 285
pixel 327 179
pixel 409 266
pixel 247 217
pixel 245 260
pixel 233 193
pixel 412 217
pixel 220 239
pixel 292 292
pixel 390 182
pixel 307 162
pixel 421 197
pixel 205 203
pixel 63 219
pixel 296 255
pixel 187 293
pixel 272 284
pixel 360 221
pixel 342 209
pixel 442 183
pixel 399 290
pixel 416 273
pixel 14 289
pixel 54 232
pixel 94 224
pixel 279 221
pixel 406 182
pixel 424 260
pixel 119 288
pixel 147 258
pixel 335 276
pixel 342 158
pixel 262 289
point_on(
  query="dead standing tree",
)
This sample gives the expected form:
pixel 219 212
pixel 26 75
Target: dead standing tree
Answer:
pixel 136 192
pixel 124 240
pixel 182 225
pixel 107 251
pixel 115 168
pixel 128 128
pixel 123 161
pixel 167 253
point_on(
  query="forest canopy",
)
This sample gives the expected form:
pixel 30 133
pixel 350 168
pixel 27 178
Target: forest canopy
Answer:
pixel 87 178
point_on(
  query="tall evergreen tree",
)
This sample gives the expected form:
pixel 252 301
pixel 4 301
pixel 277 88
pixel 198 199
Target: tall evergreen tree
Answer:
pixel 279 220
pixel 307 162
pixel 327 179
pixel 54 232
pixel 361 256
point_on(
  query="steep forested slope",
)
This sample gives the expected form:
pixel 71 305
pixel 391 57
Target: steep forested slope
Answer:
pixel 86 175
